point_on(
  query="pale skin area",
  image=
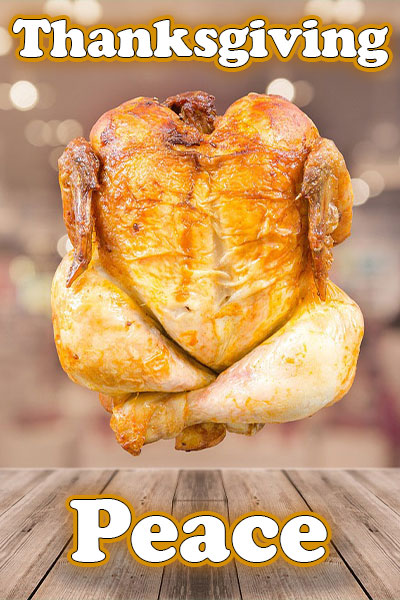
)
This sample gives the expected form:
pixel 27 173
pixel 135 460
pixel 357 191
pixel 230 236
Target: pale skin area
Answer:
pixel 109 343
pixel 306 365
pixel 197 296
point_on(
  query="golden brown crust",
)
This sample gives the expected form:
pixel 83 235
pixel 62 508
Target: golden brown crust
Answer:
pixel 78 168
pixel 110 402
pixel 194 108
pixel 327 188
pixel 199 437
pixel 206 231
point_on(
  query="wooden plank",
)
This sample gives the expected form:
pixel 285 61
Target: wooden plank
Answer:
pixel 271 491
pixel 365 531
pixel 200 485
pixel 14 484
pixel 203 582
pixel 384 483
pixel 121 578
pixel 36 528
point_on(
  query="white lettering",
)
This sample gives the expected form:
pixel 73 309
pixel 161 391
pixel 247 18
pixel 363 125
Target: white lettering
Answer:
pixel 208 546
pixel 208 48
pixel 31 29
pixel 170 43
pixel 283 44
pixel 102 47
pixel 60 37
pixel 229 56
pixel 154 528
pixel 89 533
pixel 368 53
pixel 243 540
pixel 292 538
pixel 126 49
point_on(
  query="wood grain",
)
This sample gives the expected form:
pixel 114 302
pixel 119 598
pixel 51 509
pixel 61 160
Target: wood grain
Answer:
pixel 365 530
pixel 272 492
pixel 15 484
pixel 384 483
pixel 362 506
pixel 121 577
pixel 205 582
pixel 35 529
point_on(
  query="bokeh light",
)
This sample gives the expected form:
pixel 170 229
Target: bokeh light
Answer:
pixel 21 268
pixel 64 245
pixel 68 130
pixel 24 95
pixel 375 181
pixel 343 11
pixel 34 132
pixel 47 95
pixel 54 156
pixel 360 191
pixel 87 12
pixel 33 295
pixel 53 132
pixel 386 135
pixel 5 102
pixel 281 87
pixel 348 11
pixel 325 9
pixel 53 125
pixel 303 92
pixel 5 41
pixel 58 7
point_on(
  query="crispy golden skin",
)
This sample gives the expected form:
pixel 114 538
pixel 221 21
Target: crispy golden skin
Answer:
pixel 210 231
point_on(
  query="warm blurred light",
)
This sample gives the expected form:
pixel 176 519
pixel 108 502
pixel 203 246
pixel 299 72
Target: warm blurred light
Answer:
pixel 281 87
pixel 385 135
pixel 9 221
pixel 47 133
pixel 40 133
pixel 64 245
pixel 5 102
pixel 5 41
pixel 87 12
pixel 39 241
pixel 21 269
pixel 303 92
pixel 47 95
pixel 322 8
pixel 375 181
pixel 34 294
pixel 68 130
pixel 58 7
pixel 364 151
pixel 360 191
pixel 53 125
pixel 53 132
pixel 348 11
pixel 54 156
pixel 34 132
pixel 24 95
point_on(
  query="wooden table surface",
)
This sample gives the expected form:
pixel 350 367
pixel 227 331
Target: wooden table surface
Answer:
pixel 362 507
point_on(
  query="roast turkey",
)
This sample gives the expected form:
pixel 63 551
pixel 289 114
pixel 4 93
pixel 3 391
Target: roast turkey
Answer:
pixel 196 298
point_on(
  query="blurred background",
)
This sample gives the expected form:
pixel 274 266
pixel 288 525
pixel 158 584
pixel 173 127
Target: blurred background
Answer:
pixel 46 420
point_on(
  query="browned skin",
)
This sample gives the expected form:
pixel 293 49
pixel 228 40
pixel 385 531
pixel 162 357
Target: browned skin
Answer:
pixel 79 169
pixel 199 437
pixel 194 108
pixel 326 178
pixel 207 222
